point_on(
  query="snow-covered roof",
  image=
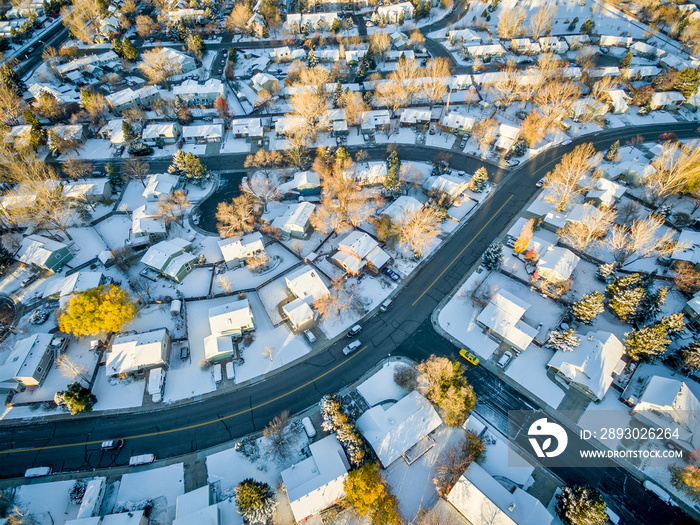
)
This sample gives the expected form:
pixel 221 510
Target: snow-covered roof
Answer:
pixel 487 49
pixel 694 303
pixel 665 98
pixel 241 247
pixel 482 500
pixel 465 35
pixel 25 357
pixel 348 261
pixel 316 482
pixel 688 247
pixel 642 48
pixel 143 219
pixel 133 517
pixel 193 501
pixel 67 286
pixel 160 184
pixel 230 317
pixel 296 218
pixel 213 87
pixel 206 131
pixel 37 250
pixel 592 363
pixel 449 184
pixel 618 98
pixel 502 316
pixel 159 255
pixel 298 312
pixel 311 18
pixel 378 117
pixel 162 129
pixel 394 431
pixel 558 261
pixel 370 173
pixel 85 188
pixel 301 179
pixel 358 243
pixel 402 208
pixel 248 127
pixel 456 121
pixel 215 345
pixel 305 284
pixel 288 124
pixel 394 10
pixel 413 115
pixel 132 352
pixel 69 131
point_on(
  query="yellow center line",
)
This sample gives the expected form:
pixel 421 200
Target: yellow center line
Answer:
pixel 196 425
pixel 463 250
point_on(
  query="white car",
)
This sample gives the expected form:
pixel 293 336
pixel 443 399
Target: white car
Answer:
pixel 505 359
pixel 352 347
pixel 540 182
pixel 310 336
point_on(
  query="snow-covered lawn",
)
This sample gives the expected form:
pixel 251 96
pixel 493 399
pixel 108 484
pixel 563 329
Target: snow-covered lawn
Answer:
pixel 115 393
pixel 47 502
pixel 162 486
pixel 529 370
pixel 234 145
pixel 114 230
pixel 381 387
pixel 154 316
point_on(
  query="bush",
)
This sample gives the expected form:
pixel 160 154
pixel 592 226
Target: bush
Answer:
pixel 406 377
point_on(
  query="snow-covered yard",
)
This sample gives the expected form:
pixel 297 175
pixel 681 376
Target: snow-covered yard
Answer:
pixel 161 486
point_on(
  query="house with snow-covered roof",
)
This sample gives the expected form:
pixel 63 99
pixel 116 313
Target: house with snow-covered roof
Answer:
pixel 296 220
pixel 303 183
pixel 306 286
pixel 359 250
pixel 411 117
pixel 168 132
pixel 588 108
pixel 450 185
pixel 692 310
pixel 402 208
pixel 669 403
pixel 171 258
pixel 591 366
pixel 506 137
pixel 557 264
pixel 138 352
pixel 191 92
pixel 146 226
pixel 29 362
pixel 456 123
pixel 463 36
pixel 617 100
pixel 502 318
pixel 237 250
pixel 62 288
pixel 160 184
pixel 378 119
pixel 367 174
pixel 312 21
pixel 393 431
pixel 605 192
pixel 36 250
pixel 483 500
pixel 393 12
pixel 247 128
pixel 316 482
pixel 688 248
pixel 88 190
pixel 668 100
pixel 179 61
pixel 231 319
pixel 203 134
pixel 484 51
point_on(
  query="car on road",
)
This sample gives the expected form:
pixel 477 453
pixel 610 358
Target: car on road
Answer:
pixel 352 347
pixel 143 459
pixel 505 359
pixel 354 330
pixel 310 337
pixel 386 305
pixel 31 49
pixel 566 142
pixel 540 182
pixel 466 354
pixel 391 274
pixel 513 162
pixel 112 444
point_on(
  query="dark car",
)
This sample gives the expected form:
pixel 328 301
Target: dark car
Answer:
pixel 140 150
pixel 391 274
pixel 354 330
pixel 113 444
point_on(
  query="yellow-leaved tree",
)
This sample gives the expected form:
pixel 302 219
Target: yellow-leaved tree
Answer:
pixel 103 309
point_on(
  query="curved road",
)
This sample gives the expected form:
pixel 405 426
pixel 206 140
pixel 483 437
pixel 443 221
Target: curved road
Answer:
pixel 73 444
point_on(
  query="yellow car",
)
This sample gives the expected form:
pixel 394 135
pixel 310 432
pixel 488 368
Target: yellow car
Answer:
pixel 469 356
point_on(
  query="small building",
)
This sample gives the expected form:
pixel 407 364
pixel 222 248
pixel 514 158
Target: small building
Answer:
pixel 286 126
pixel 357 251
pixel 402 209
pixel 306 285
pixel 617 101
pixel 605 193
pixel 667 100
pixel 463 36
pixel 557 264
pixel 456 123
pixel 316 482
pixel 160 184
pixel 237 250
pixel 171 258
pixel 303 183
pixel 231 319
pixel 48 254
pixel 692 310
pixel 577 41
pixel 591 366
pixel 643 49
pixel 218 348
pixel 260 81
pixel 247 128
pixel 553 44
pixel 68 132
pixel 88 190
pixel 203 134
pixel 482 500
pixel 186 15
pixel 168 132
pixel 63 288
pixel 92 499
pixel 146 226
pixel 177 60
pixel 137 353
pixel 372 121
pixel 296 220
pixel 28 362
pixel 394 431
pixel 484 51
pixel 502 318
pixel 506 137
pixel 19 136
pixel 669 403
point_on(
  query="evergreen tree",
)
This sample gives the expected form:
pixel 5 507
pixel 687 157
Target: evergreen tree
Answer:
pixel 182 31
pixel 402 18
pixel 5 258
pixel 493 256
pixel 9 79
pixel 189 165
pixel 392 181
pixel 647 343
pixel 626 294
pixel 255 500
pixel 76 398
pixel 337 96
pixel 117 46
pixel 690 357
pixel 687 81
pixel 580 505
pixel 479 180
pixel 674 323
pixel 650 306
pixel 606 272
pixel 129 132
pixel 128 50
pixel 311 58
pixel 115 178
pixel 335 25
pixel 588 26
pixel 611 154
pixel 565 341
pixel 588 307
pixel 37 136
pixel 369 58
pixel 626 61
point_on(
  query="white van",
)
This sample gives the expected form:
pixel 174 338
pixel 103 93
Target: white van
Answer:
pixel 37 472
pixel 308 427
pixel 156 383
pixel 386 305
pixel 218 376
pixel 143 459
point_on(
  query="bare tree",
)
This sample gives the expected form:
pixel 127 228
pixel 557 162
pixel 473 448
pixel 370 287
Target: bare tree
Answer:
pixel 224 283
pixel 77 168
pixel 564 180
pixel 434 85
pixel 72 370
pixel 554 98
pixel 541 20
pixel 677 170
pixel 145 26
pixel 420 229
pixel 269 353
pixel 172 207
pixel 380 42
pixel 137 169
pixel 417 38
pixel 510 22
pixel 525 236
pixel 507 90
pixel 592 226
pixel 354 107
pixel 157 67
pixel 641 239
pixel 342 296
pixel 11 106
pixel 277 434
pixel 311 106
pixel 484 132
pixel 238 216
pixel 237 21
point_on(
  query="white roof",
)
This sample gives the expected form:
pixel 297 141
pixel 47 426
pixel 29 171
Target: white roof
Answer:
pixel 133 517
pixel 143 219
pixel 402 208
pixel 378 117
pixel 215 345
pixel 394 431
pixel 158 255
pixel 251 127
pixel 203 131
pixel 667 97
pixel 305 284
pixel 467 35
pixel 592 362
pixel 160 184
pixel 349 261
pixel 302 178
pixel 371 173
pixel 488 49
pixel 412 115
pixel 193 501
pixel 295 218
pixel 288 124
pixel 92 498
pixel 25 357
pixel 237 248
pixel 502 315
pixel 36 249
pixel 230 317
pixel 358 243
pixel 316 482
pixel 85 187
pixel 131 352
pixel 558 260
pixel 482 500
pixel 456 121
pixel 78 281
pixel 688 247
pixel 449 184
pixel 213 86
pixel 163 129
pixel 155 378
pixel 174 266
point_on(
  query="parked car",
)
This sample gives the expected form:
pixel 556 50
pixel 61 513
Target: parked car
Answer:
pixel 112 444
pixel 26 282
pixel 140 149
pixel 463 144
pixel 310 336
pixel 352 347
pixel 540 182
pixel 432 130
pixel 505 359
pixel 466 354
pixel 386 305
pixel 143 459
pixel 309 427
pixel 513 162
pixel 510 242
pixel 37 472
pixel 354 330
pixel 391 274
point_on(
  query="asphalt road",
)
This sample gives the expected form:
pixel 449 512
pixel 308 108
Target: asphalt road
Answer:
pixel 68 444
